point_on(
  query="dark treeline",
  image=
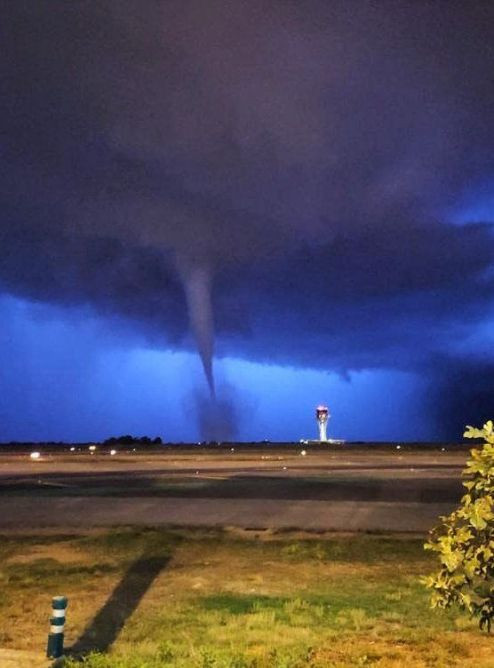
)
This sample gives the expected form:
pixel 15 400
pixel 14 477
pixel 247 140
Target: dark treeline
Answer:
pixel 132 440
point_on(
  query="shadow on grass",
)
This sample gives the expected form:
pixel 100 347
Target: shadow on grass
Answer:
pixel 110 620
pixel 241 604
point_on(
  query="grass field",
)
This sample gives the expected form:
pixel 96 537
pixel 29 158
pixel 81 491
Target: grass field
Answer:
pixel 153 598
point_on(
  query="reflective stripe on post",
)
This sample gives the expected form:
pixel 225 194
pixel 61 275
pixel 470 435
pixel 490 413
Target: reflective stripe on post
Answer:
pixel 57 627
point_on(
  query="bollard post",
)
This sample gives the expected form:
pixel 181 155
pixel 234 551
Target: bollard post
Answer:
pixel 57 625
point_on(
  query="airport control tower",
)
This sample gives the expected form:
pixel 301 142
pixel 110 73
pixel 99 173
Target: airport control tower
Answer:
pixel 322 417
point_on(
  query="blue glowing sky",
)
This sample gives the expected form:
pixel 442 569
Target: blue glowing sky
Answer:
pixel 73 380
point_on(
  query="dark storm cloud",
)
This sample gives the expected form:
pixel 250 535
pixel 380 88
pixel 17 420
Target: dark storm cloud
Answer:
pixel 387 299
pixel 462 395
pixel 103 273
pixel 300 154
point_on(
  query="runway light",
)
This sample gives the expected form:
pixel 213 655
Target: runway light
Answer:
pixel 303 453
pixel 398 447
pixel 92 448
pixel 35 455
pixel 113 452
pixel 72 449
pixel 443 449
pixel 232 449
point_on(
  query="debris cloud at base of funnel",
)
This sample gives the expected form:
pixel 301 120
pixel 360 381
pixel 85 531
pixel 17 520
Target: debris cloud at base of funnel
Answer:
pixel 217 418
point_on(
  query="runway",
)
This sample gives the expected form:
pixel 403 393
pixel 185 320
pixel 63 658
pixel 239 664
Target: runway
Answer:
pixel 269 488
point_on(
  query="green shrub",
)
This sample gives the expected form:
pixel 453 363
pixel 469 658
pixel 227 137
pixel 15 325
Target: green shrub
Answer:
pixel 464 541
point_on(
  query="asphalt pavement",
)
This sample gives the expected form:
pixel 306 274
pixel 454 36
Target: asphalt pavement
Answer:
pixel 335 489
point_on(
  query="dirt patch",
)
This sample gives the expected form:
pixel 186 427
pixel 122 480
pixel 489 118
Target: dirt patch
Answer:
pixel 280 535
pixel 63 553
pixel 10 658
